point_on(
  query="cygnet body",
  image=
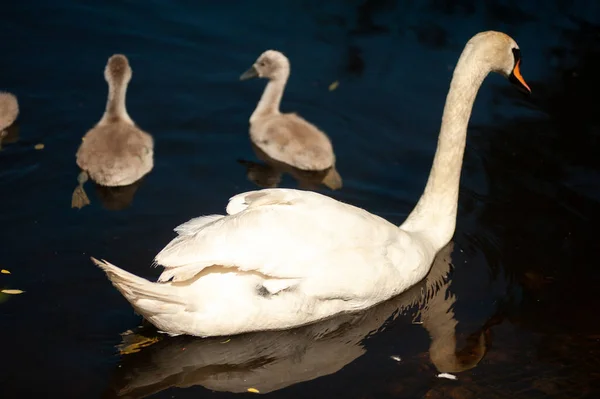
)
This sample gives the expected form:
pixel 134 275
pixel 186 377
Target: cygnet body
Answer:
pixel 285 137
pixel 9 110
pixel 115 152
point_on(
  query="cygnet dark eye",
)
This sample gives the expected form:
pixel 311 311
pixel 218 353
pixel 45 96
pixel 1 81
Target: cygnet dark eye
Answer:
pixel 262 63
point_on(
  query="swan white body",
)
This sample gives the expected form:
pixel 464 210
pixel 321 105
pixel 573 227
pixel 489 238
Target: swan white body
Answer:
pixel 273 277
pixel 283 258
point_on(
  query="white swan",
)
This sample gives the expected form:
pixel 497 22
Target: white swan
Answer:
pixel 284 258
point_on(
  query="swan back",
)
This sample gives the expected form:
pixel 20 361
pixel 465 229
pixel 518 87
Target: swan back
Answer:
pixel 9 109
pixel 116 154
pixel 290 139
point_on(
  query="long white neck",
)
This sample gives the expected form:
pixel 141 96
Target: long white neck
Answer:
pixel 115 105
pixel 271 98
pixel 435 214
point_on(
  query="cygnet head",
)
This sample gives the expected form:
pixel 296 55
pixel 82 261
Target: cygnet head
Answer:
pixel 117 70
pixel 271 65
pixel 9 110
pixel 501 54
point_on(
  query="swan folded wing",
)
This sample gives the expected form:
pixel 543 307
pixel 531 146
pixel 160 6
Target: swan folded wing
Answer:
pixel 237 204
pixel 194 225
pixel 281 234
pixel 275 196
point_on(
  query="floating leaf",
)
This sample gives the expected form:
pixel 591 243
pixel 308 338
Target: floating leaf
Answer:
pixel 12 292
pixel 138 343
pixel 39 146
pixel 334 85
pixel 253 390
pixel 227 340
pixel 4 271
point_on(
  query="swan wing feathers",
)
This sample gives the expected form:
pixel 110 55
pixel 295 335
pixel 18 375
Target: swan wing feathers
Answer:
pixel 279 233
pixel 196 224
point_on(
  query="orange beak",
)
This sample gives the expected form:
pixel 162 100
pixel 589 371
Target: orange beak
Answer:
pixel 517 74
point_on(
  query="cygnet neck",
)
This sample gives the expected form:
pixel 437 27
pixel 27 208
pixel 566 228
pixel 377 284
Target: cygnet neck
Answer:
pixel 115 105
pixel 435 213
pixel 271 97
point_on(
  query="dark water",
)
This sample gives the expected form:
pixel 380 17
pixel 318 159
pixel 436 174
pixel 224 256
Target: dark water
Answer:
pixel 516 315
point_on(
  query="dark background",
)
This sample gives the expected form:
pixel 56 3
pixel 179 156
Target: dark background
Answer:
pixel 525 242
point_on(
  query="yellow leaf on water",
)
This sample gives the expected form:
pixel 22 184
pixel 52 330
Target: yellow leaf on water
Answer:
pixel 12 292
pixel 4 271
pixel 253 390
pixel 334 85
pixel 39 146
pixel 139 343
pixel 227 340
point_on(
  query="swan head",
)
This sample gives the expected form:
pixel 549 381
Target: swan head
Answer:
pixel 271 65
pixel 501 54
pixel 117 70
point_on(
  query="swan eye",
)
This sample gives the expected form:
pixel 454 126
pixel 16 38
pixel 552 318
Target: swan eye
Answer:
pixel 262 64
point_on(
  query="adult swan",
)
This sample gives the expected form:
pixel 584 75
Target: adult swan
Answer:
pixel 283 258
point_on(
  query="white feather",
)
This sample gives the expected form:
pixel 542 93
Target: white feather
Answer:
pixel 192 226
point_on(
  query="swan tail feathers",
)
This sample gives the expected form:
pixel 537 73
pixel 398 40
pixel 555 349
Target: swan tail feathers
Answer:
pixel 148 298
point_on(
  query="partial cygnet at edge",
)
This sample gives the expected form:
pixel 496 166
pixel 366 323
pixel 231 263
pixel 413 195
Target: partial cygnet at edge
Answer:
pixel 9 110
pixel 115 152
pixel 285 137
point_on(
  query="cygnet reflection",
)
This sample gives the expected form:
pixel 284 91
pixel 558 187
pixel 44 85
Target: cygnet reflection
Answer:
pixel 119 197
pixel 269 173
pixel 10 134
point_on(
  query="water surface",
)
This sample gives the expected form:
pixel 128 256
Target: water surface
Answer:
pixel 516 288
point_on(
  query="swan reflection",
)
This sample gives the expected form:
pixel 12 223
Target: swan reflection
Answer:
pixel 269 361
pixel 9 134
pixel 119 197
pixel 269 173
